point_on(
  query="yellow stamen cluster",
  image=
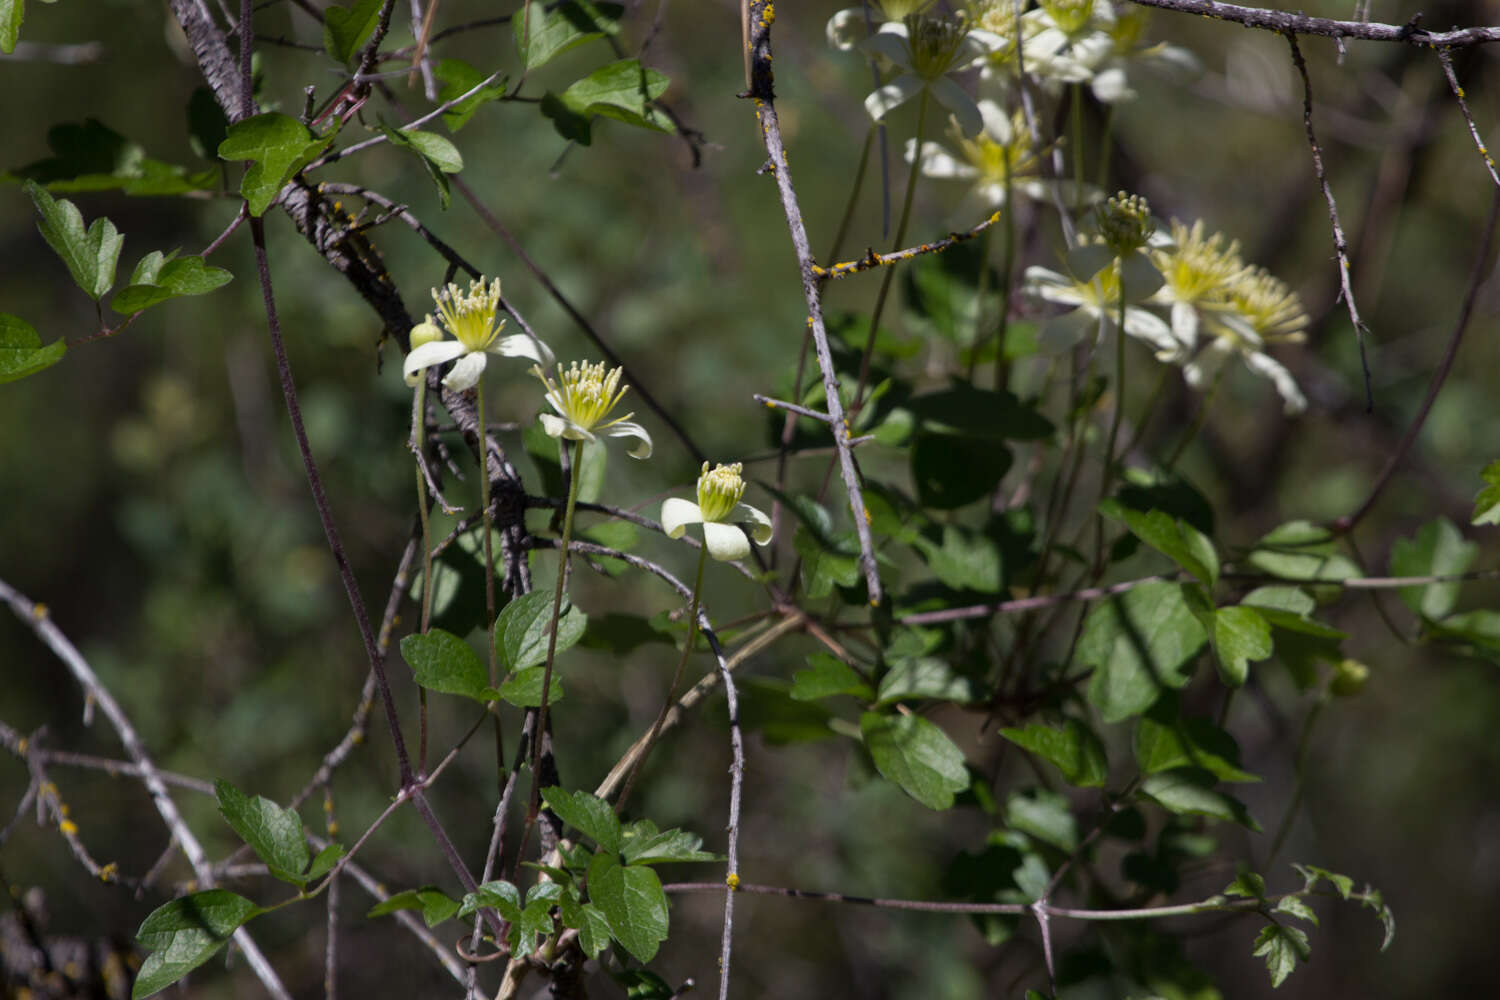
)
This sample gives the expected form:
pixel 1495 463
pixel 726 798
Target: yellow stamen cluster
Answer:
pixel 471 317
pixel 1201 269
pixel 1129 28
pixel 1268 305
pixel 585 394
pixel 1125 223
pixel 1070 16
pixel 935 42
pixel 896 10
pixel 998 161
pixel 719 491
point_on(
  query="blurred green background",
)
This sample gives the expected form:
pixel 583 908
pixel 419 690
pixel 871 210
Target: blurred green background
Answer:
pixel 154 500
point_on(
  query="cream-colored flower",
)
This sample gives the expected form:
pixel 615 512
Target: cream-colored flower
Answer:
pixel 728 524
pixel 926 48
pixel 473 319
pixel 584 396
pixel 1262 310
pixel 1199 271
pixel 1001 156
pixel 1095 303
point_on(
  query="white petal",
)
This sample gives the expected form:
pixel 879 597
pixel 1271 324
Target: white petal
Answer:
pixel 1185 324
pixel 891 44
pixel 629 429
pixel 677 514
pixel 1263 364
pixel 760 524
pixel 559 427
pixel 953 97
pixel 846 28
pixel 428 355
pixel 892 95
pixel 466 371
pixel 1063 333
pixel 726 542
pixel 937 162
pixel 1141 277
pixel 1205 368
pixel 522 345
pixel 996 121
pixel 1087 261
pixel 1112 85
pixel 1154 331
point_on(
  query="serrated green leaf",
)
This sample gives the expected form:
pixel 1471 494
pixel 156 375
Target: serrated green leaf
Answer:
pixel 324 860
pixel 588 814
pixel 1172 537
pixel 1439 549
pixel 277 146
pixel 964 560
pixel 443 662
pixel 1044 815
pixel 1248 885
pixel 540 35
pixel 158 279
pixel 620 634
pixel 589 921
pixel 21 350
pixel 1189 791
pixel 1240 634
pixel 1164 742
pixel 1293 600
pixel 952 471
pixel 766 706
pixel 1312 874
pixel 1478 632
pixel 438 155
pixel 926 677
pixel 458 79
pixel 826 677
pixel 185 933
pixel 345 29
pixel 1372 900
pixel 12 13
pixel 1140 643
pixel 1295 907
pixel 90 254
pixel 824 567
pixel 621 90
pixel 632 900
pixel 523 688
pixel 917 755
pixel 501 896
pixel 522 630
pixel 536 921
pixel 273 833
pixel 1075 750
pixel 1281 947
pixel 432 901
pixel 1301 550
pixel 1487 503
pixel 643 844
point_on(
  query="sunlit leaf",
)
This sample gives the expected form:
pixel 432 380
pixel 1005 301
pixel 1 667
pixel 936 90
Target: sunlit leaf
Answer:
pixel 917 755
pixel 185 933
pixel 273 833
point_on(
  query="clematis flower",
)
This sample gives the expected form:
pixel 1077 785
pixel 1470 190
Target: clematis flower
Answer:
pixel 848 27
pixel 1000 156
pixel 1112 72
pixel 926 49
pixel 725 519
pixel 1199 271
pixel 1261 310
pixel 471 318
pixel 1095 302
pixel 583 397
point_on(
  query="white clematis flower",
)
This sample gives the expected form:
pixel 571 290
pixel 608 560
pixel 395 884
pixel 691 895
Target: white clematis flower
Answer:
pixel 583 397
pixel 725 519
pixel 1262 310
pixel 927 49
pixel 1095 304
pixel 471 318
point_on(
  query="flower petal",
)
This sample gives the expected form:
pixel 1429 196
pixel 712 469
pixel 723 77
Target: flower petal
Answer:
pixel 521 345
pixel 466 371
pixel 1263 364
pixel 725 542
pixel 957 100
pixel 847 28
pixel 626 428
pixel 677 514
pixel 759 524
pixel 559 427
pixel 937 162
pixel 1185 323
pixel 892 95
pixel 1153 330
pixel 428 355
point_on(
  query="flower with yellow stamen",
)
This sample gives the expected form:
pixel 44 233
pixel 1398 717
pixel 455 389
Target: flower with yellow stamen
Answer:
pixel 728 524
pixel 473 319
pixel 584 396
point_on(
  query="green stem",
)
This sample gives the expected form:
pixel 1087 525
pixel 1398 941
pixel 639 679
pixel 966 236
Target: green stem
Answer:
pixel 418 444
pixel 890 272
pixel 666 707
pixel 1106 475
pixel 489 555
pixel 557 596
pixel 1197 425
pixel 1076 127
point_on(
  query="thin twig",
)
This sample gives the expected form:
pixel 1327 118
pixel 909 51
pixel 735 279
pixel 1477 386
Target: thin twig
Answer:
pixel 1446 58
pixel 1283 22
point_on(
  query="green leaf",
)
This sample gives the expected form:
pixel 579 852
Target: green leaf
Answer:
pixel 926 677
pixel 438 155
pixel 1189 791
pixel 590 922
pixel 1172 537
pixel 541 35
pixel 522 630
pixel 588 814
pixel 158 278
pixel 185 933
pixel 1044 815
pixel 536 921
pixel 523 688
pixel 621 90
pixel 829 676
pixel 91 156
pixel 1164 741
pixel 823 565
pixel 1439 549
pixel 21 350
pixel 994 415
pixel 632 900
pixel 273 833
pixel 1075 750
pixel 12 13
pixel 345 29
pixel 1477 632
pixel 443 662
pixel 324 860
pixel 1293 600
pixel 207 123
pixel 501 896
pixel 643 844
pixel 458 79
pixel 1312 875
pixel 90 255
pixel 917 755
pixel 942 293
pixel 1300 550
pixel 278 147
pixel 1139 643
pixel 1487 503
pixel 1248 885
pixel 1240 635
pixel 1281 947
pixel 965 560
pixel 1295 907
pixel 432 901
pixel 1372 900
pixel 620 634
pixel 766 706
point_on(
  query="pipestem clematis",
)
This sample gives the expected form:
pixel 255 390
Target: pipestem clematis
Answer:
pixel 473 319
pixel 728 524
pixel 583 397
